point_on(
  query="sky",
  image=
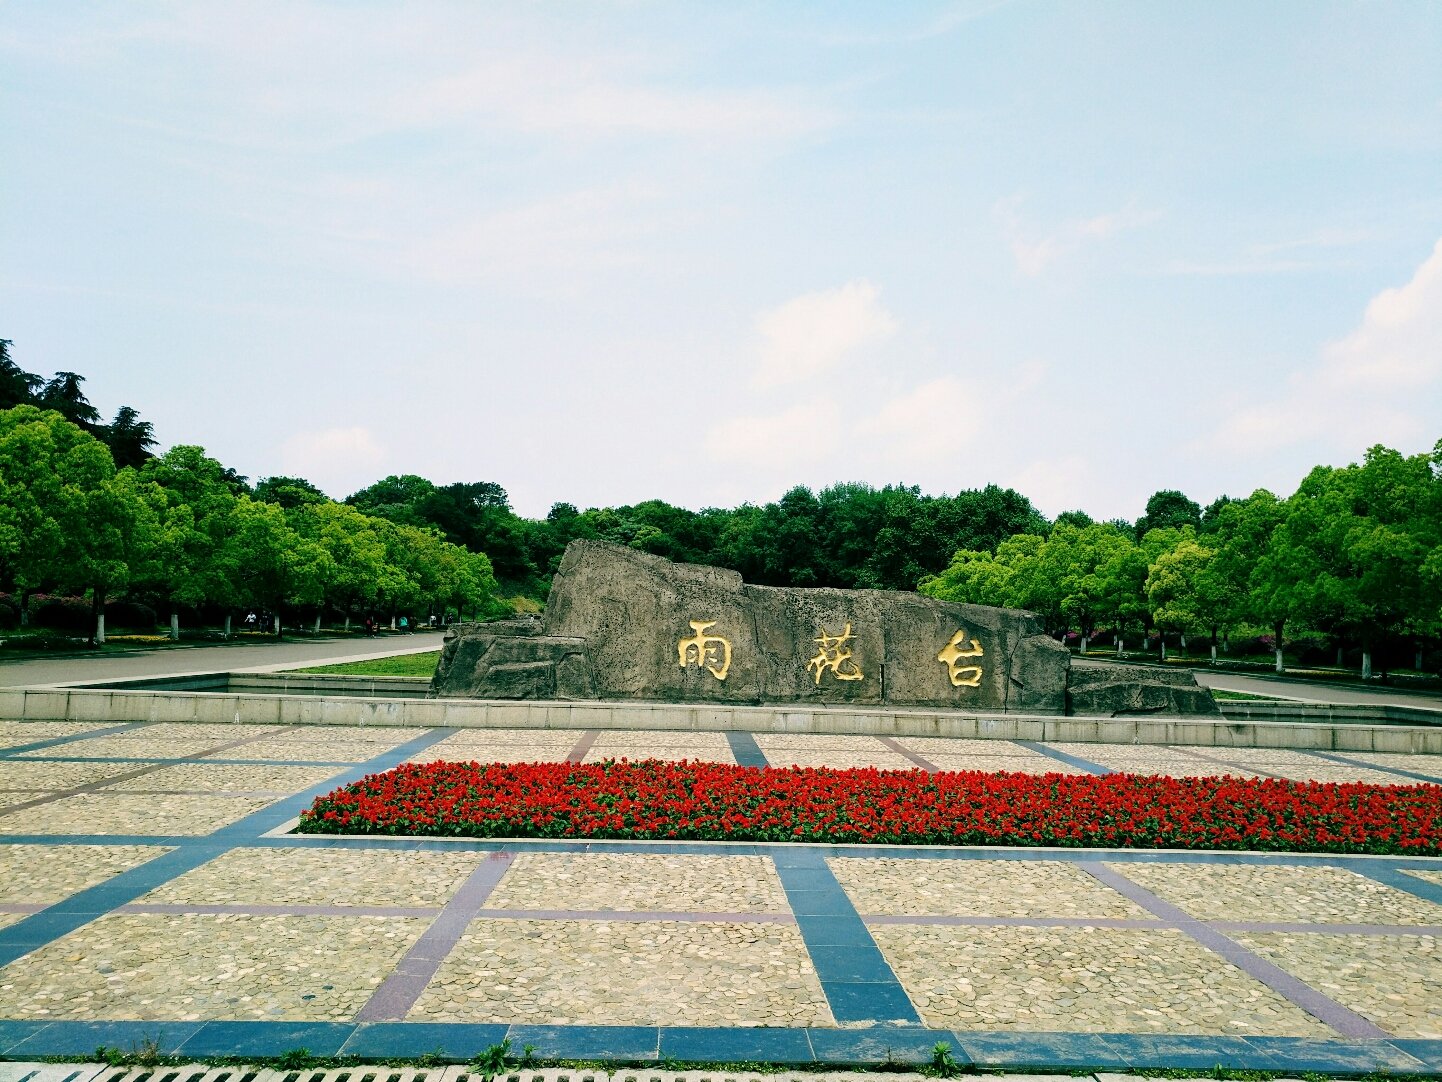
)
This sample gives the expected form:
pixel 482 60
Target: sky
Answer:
pixel 607 252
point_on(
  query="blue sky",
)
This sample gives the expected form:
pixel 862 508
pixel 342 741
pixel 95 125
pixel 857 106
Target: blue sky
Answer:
pixel 607 252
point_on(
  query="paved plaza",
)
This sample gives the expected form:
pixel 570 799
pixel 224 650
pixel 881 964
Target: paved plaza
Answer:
pixel 148 889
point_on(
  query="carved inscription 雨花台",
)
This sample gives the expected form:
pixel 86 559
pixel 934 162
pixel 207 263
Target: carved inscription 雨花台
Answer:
pixel 832 656
pixel 709 652
pixel 962 676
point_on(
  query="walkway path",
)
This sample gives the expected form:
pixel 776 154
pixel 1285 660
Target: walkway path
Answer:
pixel 237 657
pixel 149 889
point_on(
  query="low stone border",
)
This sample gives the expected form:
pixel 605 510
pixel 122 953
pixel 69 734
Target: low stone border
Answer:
pixel 118 706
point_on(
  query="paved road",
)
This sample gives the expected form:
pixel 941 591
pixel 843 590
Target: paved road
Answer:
pixel 247 657
pixel 1307 691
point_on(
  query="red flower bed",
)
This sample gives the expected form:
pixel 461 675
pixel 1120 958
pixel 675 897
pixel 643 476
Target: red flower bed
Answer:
pixel 711 801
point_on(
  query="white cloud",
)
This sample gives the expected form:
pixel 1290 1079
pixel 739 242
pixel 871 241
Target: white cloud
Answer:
pixel 1399 343
pixel 1054 485
pixel 1362 388
pixel 807 433
pixel 1036 251
pixel 338 460
pixel 809 335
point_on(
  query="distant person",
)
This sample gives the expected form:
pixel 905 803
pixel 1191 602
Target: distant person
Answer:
pixel 370 627
pixel 405 625
pixel 250 621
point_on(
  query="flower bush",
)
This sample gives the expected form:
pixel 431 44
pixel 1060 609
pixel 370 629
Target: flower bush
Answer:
pixel 651 799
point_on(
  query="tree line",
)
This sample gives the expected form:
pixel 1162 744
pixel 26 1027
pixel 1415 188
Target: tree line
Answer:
pixel 1355 554
pixel 186 533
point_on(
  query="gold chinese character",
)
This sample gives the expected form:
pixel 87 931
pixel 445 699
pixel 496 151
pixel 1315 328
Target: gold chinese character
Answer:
pixel 964 676
pixel 832 656
pixel 709 652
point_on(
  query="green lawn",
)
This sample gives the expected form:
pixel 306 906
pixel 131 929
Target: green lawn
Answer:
pixel 400 665
pixel 1219 694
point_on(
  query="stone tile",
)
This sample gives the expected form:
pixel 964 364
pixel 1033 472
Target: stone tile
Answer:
pixel 1396 981
pixel 18 796
pixel 502 738
pixel 661 738
pixel 15 733
pixel 7 919
pixel 1016 764
pixel 200 730
pixel 49 873
pixel 948 745
pixel 339 751
pixel 1422 764
pixel 195 966
pixel 1292 894
pixel 839 758
pixel 129 747
pixel 813 741
pixel 1088 980
pixel 20 774
pixel 305 876
pixel 126 813
pixel 1429 876
pixel 205 777
pixel 626 973
pixel 1262 758
pixel 388 735
pixel 977 888
pixel 1149 760
pixel 640 881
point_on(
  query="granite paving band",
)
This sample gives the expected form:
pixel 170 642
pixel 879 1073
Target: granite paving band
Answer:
pixel 53 922
pixel 901 749
pixel 1065 757
pixel 856 979
pixel 55 742
pixel 1346 1022
pixel 150 767
pixel 745 750
pixel 400 991
pixel 1431 779
pixel 578 751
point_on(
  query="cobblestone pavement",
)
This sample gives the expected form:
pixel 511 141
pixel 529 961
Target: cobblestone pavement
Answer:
pixel 145 878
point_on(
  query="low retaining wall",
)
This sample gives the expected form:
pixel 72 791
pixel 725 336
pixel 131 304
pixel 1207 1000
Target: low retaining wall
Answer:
pixel 119 706
pixel 1247 710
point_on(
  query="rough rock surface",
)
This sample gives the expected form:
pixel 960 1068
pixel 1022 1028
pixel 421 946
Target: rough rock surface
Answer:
pixel 653 629
pixel 1117 690
pixel 512 660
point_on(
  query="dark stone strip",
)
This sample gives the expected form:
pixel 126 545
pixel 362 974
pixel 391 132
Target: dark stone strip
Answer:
pixel 1325 929
pixel 745 750
pixel 633 916
pixel 1344 1020
pixel 279 910
pixel 1414 775
pixel 906 753
pixel 1392 876
pixel 398 992
pixel 1010 922
pixel 859 984
pixel 337 763
pixel 55 742
pixel 1065 757
pixel 139 772
pixel 579 749
pixel 51 923
pixel 21 907
pixel 1230 766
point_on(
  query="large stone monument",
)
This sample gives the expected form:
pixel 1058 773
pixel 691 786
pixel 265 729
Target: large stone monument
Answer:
pixel 622 624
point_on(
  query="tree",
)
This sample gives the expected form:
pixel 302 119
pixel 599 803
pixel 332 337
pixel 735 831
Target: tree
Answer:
pixel 274 565
pixel 17 386
pixel 1178 585
pixel 1169 509
pixel 54 518
pixel 62 394
pixel 129 438
pixel 288 492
